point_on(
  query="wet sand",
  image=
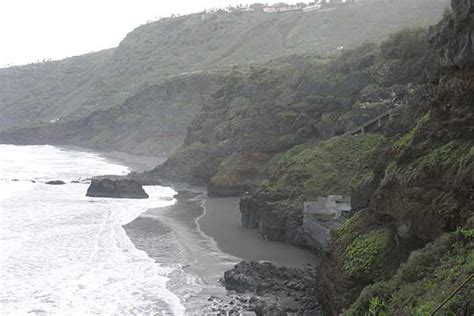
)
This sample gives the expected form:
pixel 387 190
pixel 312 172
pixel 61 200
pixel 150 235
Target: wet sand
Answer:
pixel 221 221
pixel 218 219
pixel 203 237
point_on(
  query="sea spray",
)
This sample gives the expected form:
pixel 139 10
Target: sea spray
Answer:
pixel 64 253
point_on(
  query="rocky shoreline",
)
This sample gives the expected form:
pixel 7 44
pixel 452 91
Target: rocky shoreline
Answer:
pixel 253 288
pixel 264 288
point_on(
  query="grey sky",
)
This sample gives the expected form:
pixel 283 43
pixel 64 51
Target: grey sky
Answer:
pixel 32 30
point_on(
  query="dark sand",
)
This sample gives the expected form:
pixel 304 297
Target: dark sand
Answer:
pixel 222 222
pixel 204 237
pixel 218 219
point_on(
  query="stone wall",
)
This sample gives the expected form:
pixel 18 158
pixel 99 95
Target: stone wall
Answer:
pixel 323 215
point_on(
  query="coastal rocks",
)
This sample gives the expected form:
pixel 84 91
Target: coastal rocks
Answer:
pixel 275 222
pixel 271 290
pixel 116 188
pixel 55 182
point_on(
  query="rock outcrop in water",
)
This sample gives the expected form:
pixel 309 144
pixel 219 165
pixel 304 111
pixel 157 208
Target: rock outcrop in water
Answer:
pixel 55 182
pixel 116 188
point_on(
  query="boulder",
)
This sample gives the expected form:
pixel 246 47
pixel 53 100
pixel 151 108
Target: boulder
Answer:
pixel 56 182
pixel 116 188
pixel 268 289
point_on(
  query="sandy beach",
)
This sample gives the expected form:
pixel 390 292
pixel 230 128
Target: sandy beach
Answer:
pixel 221 221
pixel 218 219
pixel 205 239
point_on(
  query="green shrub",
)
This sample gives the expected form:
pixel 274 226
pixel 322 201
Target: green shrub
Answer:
pixel 364 254
pixel 376 307
pixel 355 58
pixel 407 43
pixel 425 280
pixel 407 139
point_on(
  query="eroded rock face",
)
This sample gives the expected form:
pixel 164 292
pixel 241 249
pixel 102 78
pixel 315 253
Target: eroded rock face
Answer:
pixel 273 290
pixel 116 188
pixel 426 190
pixel 454 35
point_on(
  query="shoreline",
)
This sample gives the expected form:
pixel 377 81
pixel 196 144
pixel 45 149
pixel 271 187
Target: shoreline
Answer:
pixel 211 244
pixel 199 240
pixel 136 163
pixel 219 220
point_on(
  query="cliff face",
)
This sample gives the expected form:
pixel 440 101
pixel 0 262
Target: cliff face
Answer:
pixel 152 122
pixel 305 173
pixel 425 197
pixel 257 114
pixel 74 88
pixel 244 139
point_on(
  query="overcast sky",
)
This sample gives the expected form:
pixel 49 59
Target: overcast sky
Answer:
pixel 32 30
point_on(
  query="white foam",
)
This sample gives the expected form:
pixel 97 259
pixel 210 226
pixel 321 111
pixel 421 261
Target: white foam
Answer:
pixel 64 253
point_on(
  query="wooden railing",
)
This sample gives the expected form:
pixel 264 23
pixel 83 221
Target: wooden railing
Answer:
pixel 377 120
pixel 459 288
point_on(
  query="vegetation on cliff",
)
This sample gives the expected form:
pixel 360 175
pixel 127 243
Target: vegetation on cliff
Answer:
pixel 428 277
pixel 152 122
pixel 424 202
pixel 272 107
pixel 431 187
pixel 336 166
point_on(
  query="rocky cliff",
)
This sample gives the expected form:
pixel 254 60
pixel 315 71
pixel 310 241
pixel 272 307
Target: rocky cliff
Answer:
pixel 246 138
pixel 72 89
pixel 153 122
pixel 424 202
pixel 282 132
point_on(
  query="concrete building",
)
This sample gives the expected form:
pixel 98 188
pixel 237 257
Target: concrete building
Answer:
pixel 332 206
pixel 280 7
pixel 312 8
pixel 322 216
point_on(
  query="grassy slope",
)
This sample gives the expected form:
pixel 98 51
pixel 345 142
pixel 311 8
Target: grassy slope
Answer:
pixel 425 280
pixel 332 167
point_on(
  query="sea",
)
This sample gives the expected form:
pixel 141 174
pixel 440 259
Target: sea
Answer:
pixel 62 253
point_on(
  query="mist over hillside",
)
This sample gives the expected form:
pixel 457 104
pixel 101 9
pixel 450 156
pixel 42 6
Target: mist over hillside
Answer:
pixel 78 86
